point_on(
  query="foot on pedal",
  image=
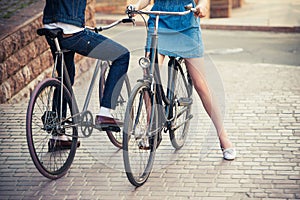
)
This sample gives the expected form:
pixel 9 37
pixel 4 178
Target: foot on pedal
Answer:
pixel 107 123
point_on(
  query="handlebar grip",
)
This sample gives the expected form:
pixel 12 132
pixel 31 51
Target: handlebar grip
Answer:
pixel 97 30
pixel 128 20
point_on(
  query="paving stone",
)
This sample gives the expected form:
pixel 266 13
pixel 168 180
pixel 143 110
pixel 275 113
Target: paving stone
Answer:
pixel 265 133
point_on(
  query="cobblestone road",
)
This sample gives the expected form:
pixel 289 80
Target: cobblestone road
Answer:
pixel 262 117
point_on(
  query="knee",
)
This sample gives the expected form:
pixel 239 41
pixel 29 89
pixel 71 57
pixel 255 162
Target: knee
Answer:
pixel 123 61
pixel 201 86
pixel 126 57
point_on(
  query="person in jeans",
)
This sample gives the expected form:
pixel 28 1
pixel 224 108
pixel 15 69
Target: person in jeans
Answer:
pixel 186 31
pixel 70 17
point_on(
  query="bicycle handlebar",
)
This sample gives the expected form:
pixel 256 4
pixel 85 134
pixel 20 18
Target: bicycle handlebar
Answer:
pixel 130 13
pixel 163 12
pixel 188 8
pixel 102 28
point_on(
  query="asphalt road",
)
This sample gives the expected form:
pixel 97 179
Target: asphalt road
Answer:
pixel 253 47
pixel 237 46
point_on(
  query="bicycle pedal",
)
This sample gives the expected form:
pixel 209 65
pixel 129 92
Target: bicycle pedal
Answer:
pixel 143 146
pixel 185 101
pixel 108 128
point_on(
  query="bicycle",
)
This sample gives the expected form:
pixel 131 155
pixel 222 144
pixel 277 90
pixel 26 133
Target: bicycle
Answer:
pixel 150 110
pixel 53 113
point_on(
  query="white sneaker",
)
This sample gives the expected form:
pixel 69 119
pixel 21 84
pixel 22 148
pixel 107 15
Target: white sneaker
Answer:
pixel 229 153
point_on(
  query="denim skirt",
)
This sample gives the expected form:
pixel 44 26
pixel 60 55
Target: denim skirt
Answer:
pixel 178 36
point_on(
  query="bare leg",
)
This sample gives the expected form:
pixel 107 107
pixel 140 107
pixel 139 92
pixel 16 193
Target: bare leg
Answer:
pixel 196 69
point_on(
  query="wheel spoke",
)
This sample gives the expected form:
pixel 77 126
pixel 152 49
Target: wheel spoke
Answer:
pixel 43 130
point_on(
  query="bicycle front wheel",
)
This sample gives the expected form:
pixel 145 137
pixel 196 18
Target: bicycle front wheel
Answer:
pixel 139 135
pixel 45 129
pixel 119 112
pixel 182 111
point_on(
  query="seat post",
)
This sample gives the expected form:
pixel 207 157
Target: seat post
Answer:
pixel 57 44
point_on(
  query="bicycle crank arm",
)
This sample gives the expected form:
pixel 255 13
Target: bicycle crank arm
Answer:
pixel 179 125
pixel 108 127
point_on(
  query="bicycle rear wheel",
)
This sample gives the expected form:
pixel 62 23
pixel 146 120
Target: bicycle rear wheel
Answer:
pixel 139 135
pixel 183 100
pixel 119 112
pixel 45 129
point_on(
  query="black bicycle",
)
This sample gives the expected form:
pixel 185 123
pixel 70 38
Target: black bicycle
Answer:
pixel 150 110
pixel 53 113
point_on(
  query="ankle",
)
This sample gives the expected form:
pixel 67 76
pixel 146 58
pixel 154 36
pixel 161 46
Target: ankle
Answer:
pixel 225 143
pixel 105 112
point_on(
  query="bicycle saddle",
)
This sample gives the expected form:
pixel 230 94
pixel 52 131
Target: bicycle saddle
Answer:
pixel 52 33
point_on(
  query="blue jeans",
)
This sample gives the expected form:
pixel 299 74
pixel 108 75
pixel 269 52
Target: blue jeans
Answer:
pixel 90 44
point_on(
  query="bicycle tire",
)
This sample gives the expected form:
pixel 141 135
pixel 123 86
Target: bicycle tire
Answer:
pixel 139 141
pixel 183 90
pixel 119 112
pixel 41 120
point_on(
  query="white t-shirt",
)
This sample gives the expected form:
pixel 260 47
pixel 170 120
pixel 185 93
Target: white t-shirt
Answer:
pixel 67 28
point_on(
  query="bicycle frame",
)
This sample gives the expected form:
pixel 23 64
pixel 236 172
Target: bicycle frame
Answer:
pixel 92 84
pixel 100 66
pixel 154 71
pixel 150 110
pixel 65 78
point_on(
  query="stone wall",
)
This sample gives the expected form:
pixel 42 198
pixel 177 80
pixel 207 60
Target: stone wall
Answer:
pixel 25 58
pixel 222 8
pixel 237 3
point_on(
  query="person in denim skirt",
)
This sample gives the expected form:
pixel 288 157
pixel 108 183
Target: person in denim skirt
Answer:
pixel 186 31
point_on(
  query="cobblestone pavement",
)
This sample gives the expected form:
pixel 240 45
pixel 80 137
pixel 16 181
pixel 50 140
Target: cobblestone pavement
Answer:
pixel 262 118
